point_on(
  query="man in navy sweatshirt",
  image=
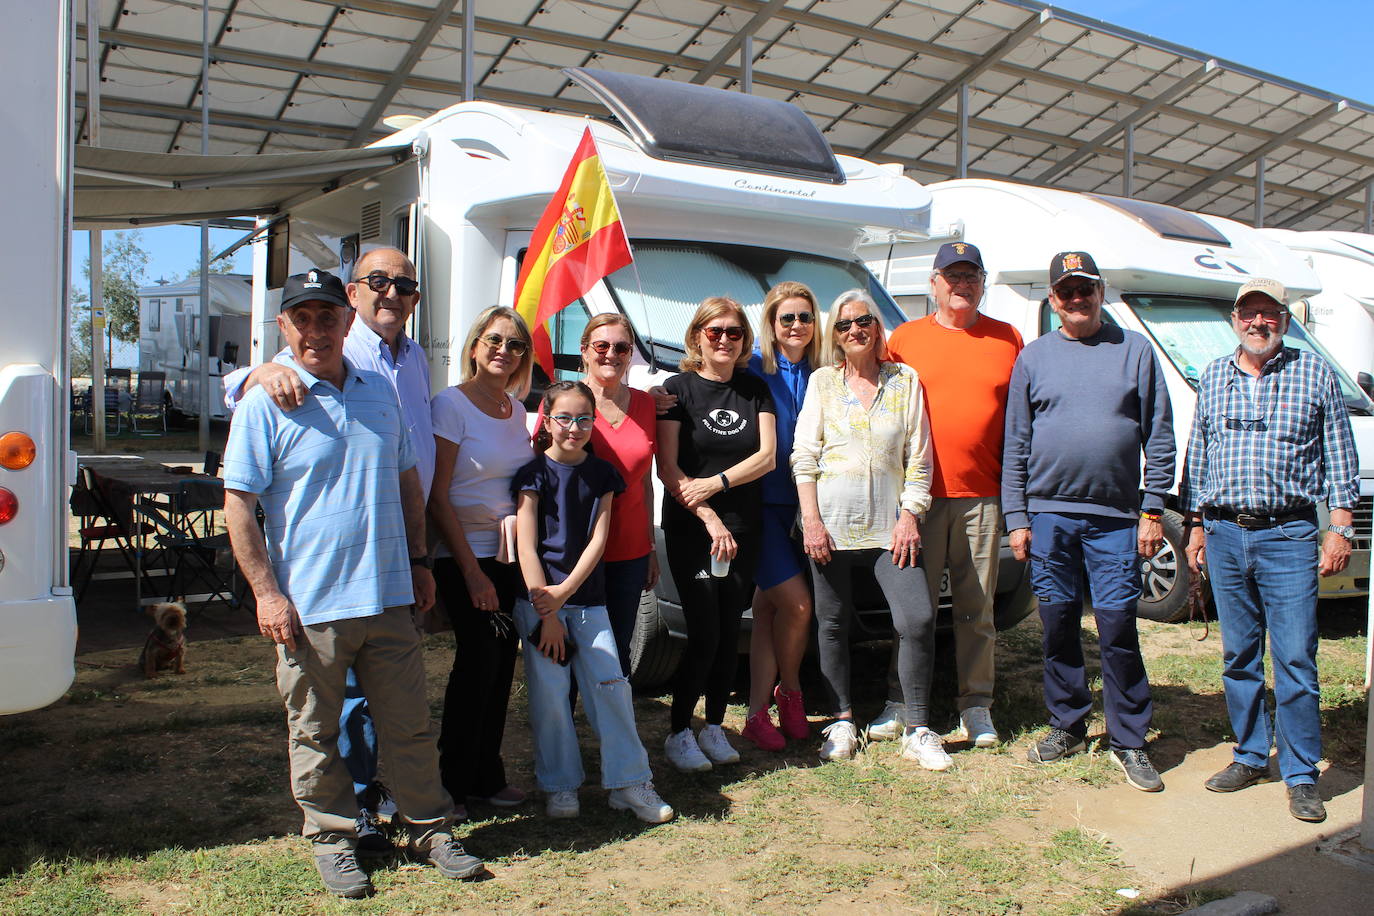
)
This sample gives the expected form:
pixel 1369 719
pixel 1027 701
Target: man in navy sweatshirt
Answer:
pixel 1085 400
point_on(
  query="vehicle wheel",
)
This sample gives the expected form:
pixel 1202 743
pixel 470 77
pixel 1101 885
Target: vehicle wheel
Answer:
pixel 1011 607
pixel 654 653
pixel 1165 577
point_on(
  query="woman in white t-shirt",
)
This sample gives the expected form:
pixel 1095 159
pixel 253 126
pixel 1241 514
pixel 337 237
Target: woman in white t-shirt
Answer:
pixel 481 440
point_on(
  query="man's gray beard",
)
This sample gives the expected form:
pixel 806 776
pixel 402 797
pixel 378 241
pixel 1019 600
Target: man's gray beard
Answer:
pixel 1269 348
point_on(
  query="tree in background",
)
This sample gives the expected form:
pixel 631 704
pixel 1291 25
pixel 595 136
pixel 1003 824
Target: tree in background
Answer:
pixel 125 260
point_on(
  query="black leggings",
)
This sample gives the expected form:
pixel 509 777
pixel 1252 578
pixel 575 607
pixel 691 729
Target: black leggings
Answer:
pixel 478 691
pixel 712 608
pixel 912 617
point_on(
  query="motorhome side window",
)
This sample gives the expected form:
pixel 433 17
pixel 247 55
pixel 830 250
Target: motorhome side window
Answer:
pixel 155 314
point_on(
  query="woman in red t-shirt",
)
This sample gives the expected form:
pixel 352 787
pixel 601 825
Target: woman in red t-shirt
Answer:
pixel 625 435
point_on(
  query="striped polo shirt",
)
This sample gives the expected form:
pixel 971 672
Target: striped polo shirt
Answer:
pixel 328 477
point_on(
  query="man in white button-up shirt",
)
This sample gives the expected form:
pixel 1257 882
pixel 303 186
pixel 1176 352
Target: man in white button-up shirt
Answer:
pixel 384 294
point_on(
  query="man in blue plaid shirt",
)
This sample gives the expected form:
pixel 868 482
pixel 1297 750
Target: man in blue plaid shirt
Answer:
pixel 1270 439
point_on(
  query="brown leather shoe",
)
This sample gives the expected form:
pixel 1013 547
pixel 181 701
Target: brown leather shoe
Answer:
pixel 1235 777
pixel 1305 804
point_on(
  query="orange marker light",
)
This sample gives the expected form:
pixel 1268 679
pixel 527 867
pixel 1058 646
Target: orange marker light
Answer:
pixel 9 506
pixel 17 451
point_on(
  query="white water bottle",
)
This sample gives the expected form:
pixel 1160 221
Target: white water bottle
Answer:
pixel 719 568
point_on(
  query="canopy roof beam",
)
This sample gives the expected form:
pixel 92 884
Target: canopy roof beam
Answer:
pixel 736 41
pixel 418 46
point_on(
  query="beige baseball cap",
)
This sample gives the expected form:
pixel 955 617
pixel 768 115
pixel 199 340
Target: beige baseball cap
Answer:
pixel 1271 288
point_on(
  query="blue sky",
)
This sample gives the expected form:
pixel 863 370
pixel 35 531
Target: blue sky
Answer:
pixel 1326 46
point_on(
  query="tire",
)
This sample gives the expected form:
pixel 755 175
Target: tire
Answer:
pixel 654 652
pixel 1011 607
pixel 1165 577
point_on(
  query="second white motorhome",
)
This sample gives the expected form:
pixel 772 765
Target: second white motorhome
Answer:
pixel 711 208
pixel 169 337
pixel 1170 275
pixel 1341 315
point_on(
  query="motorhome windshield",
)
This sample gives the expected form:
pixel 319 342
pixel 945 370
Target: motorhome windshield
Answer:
pixel 1193 331
pixel 668 280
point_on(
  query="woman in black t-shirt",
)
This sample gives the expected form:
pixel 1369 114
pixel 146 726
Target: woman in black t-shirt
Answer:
pixel 713 446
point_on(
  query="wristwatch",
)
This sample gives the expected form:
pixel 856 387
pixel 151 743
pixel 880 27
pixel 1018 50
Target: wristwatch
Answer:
pixel 1345 531
pixel 426 562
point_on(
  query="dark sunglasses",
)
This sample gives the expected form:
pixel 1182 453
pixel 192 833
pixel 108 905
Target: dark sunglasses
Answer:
pixel 378 283
pixel 619 348
pixel 512 345
pixel 863 321
pixel 803 317
pixel 732 333
pixel 1066 291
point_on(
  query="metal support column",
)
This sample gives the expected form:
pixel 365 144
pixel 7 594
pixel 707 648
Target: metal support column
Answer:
pixel 746 65
pixel 961 149
pixel 1259 193
pixel 1369 206
pixel 1128 167
pixel 469 30
pixel 204 343
pixel 97 302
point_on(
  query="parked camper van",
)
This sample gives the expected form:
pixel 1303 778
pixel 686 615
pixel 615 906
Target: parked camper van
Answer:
pixel 169 338
pixel 1341 315
pixel 1170 275
pixel 37 614
pixel 710 209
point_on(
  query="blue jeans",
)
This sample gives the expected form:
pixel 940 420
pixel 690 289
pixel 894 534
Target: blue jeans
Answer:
pixel 357 738
pixel 605 698
pixel 1265 581
pixel 1066 549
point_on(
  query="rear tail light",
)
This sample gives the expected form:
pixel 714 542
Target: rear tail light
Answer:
pixel 17 451
pixel 9 506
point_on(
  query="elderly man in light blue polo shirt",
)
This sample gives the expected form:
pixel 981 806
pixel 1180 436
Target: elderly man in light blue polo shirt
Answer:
pixel 339 572
pixel 384 295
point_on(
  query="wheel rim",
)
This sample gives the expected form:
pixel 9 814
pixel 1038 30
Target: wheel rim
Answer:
pixel 1159 574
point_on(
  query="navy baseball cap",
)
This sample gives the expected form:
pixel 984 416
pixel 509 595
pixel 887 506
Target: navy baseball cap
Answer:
pixel 1073 264
pixel 314 286
pixel 954 252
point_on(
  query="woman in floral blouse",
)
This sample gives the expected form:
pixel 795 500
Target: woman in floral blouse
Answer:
pixel 861 462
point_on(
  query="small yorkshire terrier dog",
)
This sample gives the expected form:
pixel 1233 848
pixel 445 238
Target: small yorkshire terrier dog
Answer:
pixel 166 644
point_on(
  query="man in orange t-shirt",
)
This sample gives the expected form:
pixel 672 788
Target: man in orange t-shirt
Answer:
pixel 964 360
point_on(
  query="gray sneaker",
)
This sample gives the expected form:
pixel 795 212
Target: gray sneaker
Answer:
pixel 1139 771
pixel 341 875
pixel 450 858
pixel 1057 745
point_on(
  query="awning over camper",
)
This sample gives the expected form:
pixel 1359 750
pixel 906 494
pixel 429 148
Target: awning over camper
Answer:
pixel 116 189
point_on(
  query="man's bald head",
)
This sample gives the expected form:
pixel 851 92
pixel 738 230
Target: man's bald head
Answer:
pixel 387 310
pixel 389 255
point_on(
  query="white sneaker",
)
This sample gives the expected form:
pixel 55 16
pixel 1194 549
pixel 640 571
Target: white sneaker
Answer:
pixel 926 748
pixel 888 725
pixel 644 802
pixel 683 753
pixel 562 804
pixel 716 746
pixel 975 724
pixel 841 740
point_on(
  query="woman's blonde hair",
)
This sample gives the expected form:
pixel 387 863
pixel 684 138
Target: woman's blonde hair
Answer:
pixel 601 321
pixel 768 343
pixel 709 310
pixel 519 384
pixel 834 352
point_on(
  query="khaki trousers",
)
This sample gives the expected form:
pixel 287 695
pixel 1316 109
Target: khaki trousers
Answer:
pixel 963 535
pixel 384 651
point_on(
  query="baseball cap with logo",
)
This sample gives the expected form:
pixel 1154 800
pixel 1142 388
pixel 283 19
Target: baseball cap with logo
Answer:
pixel 954 252
pixel 1073 264
pixel 1271 288
pixel 313 286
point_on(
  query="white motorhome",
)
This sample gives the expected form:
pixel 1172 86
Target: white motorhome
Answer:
pixel 1170 275
pixel 37 613
pixel 169 337
pixel 1341 315
pixel 710 209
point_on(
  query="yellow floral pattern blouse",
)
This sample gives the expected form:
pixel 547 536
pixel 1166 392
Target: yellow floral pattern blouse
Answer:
pixel 866 464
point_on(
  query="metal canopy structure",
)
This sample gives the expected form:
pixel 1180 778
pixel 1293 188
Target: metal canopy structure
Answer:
pixel 1008 89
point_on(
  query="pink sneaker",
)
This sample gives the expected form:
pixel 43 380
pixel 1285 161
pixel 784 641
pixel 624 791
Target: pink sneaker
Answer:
pixel 759 728
pixel 791 713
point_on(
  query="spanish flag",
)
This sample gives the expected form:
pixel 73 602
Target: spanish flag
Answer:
pixel 579 240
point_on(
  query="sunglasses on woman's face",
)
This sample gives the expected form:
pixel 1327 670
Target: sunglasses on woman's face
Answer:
pixel 602 347
pixel 844 324
pixel 512 345
pixel 803 317
pixel 732 333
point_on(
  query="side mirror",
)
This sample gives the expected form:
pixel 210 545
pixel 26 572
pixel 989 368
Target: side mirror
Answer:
pixel 1366 383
